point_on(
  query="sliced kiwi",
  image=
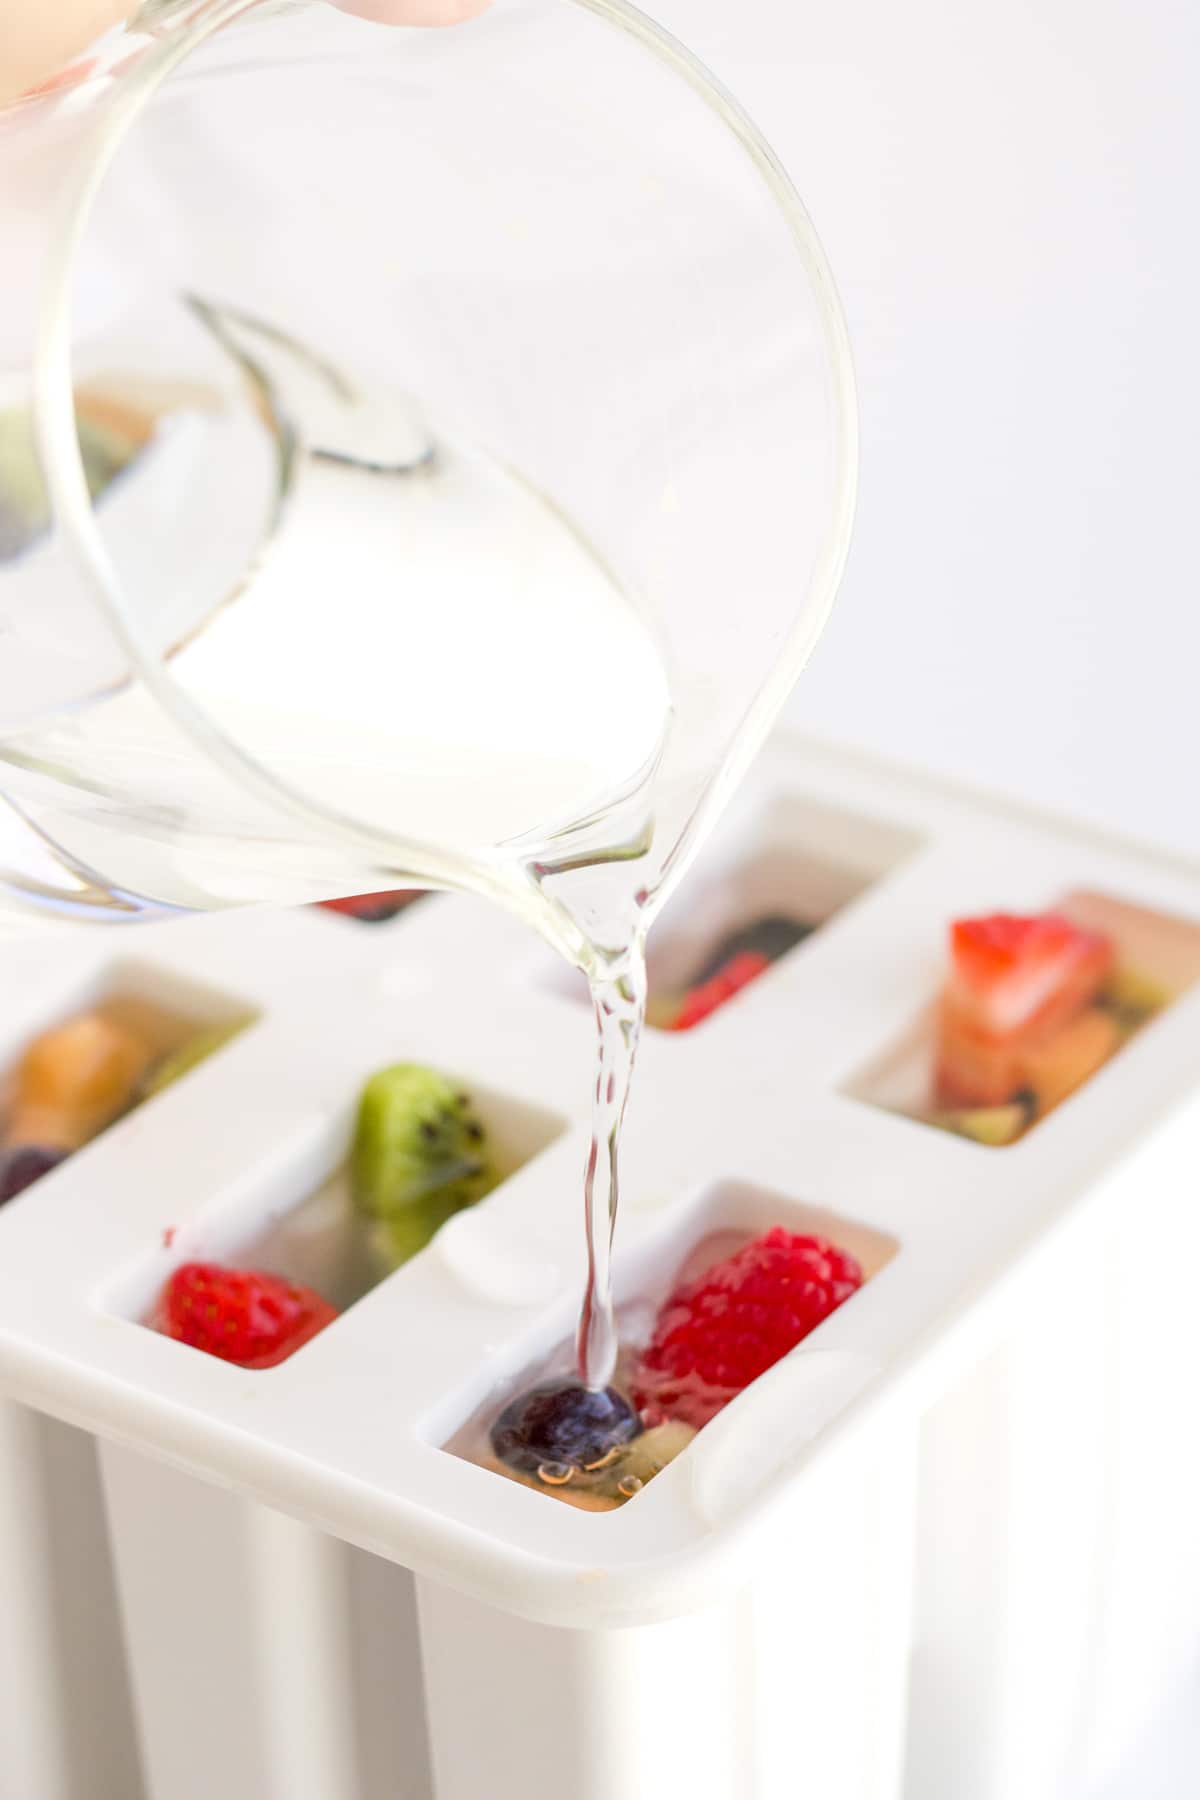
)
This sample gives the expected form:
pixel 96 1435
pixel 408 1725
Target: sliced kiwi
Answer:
pixel 991 1125
pixel 419 1155
pixel 643 1459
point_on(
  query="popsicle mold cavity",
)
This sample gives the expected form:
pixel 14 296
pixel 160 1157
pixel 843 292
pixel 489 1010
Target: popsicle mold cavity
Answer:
pixel 765 884
pixel 118 1045
pixel 1031 1007
pixel 698 1332
pixel 557 1427
pixel 348 1196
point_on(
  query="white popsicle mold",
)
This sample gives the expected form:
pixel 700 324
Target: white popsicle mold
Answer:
pixel 945 1548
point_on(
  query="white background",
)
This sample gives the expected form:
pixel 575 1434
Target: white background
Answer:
pixel 1008 195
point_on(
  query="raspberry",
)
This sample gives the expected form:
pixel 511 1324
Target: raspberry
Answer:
pixel 718 1333
pixel 241 1315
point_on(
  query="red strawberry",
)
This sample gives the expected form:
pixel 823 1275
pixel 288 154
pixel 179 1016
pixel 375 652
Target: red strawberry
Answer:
pixel 719 1332
pixel 1007 971
pixel 1013 983
pixel 702 1001
pixel 242 1315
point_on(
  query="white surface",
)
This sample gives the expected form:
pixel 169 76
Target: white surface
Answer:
pixel 1007 199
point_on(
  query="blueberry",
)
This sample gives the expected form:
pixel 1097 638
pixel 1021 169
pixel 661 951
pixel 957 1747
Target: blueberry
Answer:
pixel 21 1167
pixel 563 1422
pixel 771 937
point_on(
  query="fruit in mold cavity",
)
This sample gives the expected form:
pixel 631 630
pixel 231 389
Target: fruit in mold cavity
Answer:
pixel 772 937
pixel 21 1166
pixel 1055 1067
pixel 1133 998
pixel 73 1081
pixel 559 1429
pixel 244 1316
pixel 1008 971
pixel 739 958
pixel 187 1056
pixel 1014 981
pixel 420 1155
pixel 992 1125
pixel 662 1010
pixel 701 1002
pixel 646 1457
pixel 719 1331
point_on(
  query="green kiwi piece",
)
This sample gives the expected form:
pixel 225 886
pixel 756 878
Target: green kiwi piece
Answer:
pixel 419 1155
pixel 644 1458
pixel 182 1060
pixel 992 1125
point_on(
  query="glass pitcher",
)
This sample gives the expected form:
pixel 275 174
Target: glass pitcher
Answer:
pixel 447 453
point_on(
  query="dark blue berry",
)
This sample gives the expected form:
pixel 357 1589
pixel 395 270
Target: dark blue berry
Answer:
pixel 563 1422
pixel 21 1167
pixel 771 937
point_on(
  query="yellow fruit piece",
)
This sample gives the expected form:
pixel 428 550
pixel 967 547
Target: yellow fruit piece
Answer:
pixel 994 1126
pixel 73 1081
pixel 194 1050
pixel 1133 997
pixel 1064 1062
pixel 649 1454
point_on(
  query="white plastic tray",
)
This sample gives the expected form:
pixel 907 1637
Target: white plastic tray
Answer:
pixel 751 1118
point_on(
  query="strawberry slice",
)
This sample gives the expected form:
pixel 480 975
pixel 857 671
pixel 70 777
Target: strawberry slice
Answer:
pixel 1014 982
pixel 1007 971
pixel 243 1316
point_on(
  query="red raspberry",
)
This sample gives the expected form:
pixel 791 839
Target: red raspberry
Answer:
pixel 242 1315
pixel 700 1002
pixel 718 1333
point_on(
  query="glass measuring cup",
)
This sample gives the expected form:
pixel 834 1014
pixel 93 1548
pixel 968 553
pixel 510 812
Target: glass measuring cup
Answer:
pixel 448 443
